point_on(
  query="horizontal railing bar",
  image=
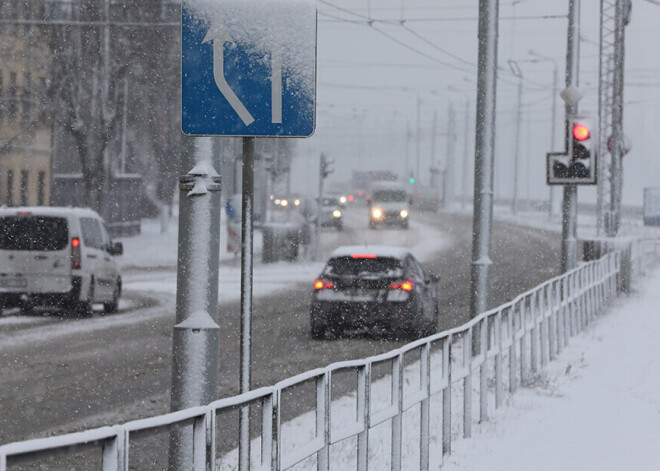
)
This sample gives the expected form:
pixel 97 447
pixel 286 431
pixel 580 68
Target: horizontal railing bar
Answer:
pixel 16 453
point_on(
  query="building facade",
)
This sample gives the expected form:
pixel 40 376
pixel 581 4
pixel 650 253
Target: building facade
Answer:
pixel 25 129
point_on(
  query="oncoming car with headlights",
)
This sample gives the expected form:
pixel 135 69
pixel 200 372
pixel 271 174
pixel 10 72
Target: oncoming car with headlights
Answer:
pixel 380 289
pixel 388 206
pixel 331 212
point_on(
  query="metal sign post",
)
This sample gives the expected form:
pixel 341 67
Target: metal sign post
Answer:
pixel 241 79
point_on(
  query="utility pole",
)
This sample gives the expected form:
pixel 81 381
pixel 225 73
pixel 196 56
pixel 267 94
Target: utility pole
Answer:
pixel 448 176
pixel 419 136
pixel 617 144
pixel 466 153
pixel 569 206
pixel 484 157
pixel 553 131
pixel 434 131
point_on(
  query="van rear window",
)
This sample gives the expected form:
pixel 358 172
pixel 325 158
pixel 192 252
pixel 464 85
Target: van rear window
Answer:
pixel 33 233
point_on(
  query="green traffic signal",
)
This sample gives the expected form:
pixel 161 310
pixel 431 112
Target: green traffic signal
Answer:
pixel 411 180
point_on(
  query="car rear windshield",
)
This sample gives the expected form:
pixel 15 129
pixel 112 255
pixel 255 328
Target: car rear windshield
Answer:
pixel 330 202
pixel 365 267
pixel 33 233
pixel 390 196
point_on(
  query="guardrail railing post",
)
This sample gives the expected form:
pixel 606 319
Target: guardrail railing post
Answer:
pixel 111 456
pixel 266 429
pixel 467 384
pixel 363 405
pixel 534 334
pixel 524 353
pixel 552 322
pixel 446 394
pixel 499 380
pixel 425 412
pixel 483 372
pixel 397 420
pixel 513 361
pixel 276 449
pixel 323 420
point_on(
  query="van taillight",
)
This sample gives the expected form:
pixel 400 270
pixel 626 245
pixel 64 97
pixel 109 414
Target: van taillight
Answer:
pixel 75 254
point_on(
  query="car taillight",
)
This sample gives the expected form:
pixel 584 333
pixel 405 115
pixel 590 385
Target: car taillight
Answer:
pixel 321 284
pixel 75 254
pixel 404 285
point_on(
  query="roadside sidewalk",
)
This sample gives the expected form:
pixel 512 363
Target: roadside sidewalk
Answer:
pixel 595 408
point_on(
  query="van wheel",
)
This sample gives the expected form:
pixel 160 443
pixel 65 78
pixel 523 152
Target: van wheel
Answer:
pixel 84 308
pixel 113 305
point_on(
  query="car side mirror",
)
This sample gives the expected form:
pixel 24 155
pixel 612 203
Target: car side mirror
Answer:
pixel 115 248
pixel 433 278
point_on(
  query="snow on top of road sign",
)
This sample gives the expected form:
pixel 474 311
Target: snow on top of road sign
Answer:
pixel 263 26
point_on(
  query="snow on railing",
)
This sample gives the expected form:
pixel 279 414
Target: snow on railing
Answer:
pixel 513 342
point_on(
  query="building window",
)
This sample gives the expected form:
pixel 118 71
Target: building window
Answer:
pixel 10 188
pixel 12 97
pixel 26 97
pixel 24 187
pixel 41 188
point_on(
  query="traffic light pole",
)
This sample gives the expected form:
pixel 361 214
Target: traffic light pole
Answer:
pixel 569 206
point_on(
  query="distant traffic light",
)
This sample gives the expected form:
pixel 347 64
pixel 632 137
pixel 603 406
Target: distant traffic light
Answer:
pixel 411 179
pixel 579 166
pixel 325 168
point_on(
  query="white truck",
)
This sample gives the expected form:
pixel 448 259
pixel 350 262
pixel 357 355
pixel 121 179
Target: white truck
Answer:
pixel 651 209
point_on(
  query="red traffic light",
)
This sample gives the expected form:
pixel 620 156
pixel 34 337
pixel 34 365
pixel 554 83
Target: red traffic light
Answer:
pixel 581 132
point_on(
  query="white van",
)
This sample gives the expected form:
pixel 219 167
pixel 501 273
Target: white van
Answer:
pixel 52 256
pixel 389 204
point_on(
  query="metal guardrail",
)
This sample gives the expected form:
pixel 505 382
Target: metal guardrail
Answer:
pixel 516 340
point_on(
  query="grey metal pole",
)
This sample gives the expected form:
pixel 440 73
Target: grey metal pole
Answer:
pixel 434 132
pixel 419 137
pixel 448 176
pixel 516 161
pixel 466 153
pixel 484 156
pixel 569 206
pixel 247 221
pixel 317 247
pixel 195 341
pixel 617 118
pixel 553 129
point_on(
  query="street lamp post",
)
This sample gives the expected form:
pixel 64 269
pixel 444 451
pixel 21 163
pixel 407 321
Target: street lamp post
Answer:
pixel 466 151
pixel 553 126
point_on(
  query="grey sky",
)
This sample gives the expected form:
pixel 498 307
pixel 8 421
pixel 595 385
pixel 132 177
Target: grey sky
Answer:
pixel 372 74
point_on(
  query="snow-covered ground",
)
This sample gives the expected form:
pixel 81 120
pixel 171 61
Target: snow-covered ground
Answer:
pixel 596 407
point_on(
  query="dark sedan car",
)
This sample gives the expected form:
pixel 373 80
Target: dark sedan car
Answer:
pixel 380 289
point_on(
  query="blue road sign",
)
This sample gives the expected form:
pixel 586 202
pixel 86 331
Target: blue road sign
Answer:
pixel 230 90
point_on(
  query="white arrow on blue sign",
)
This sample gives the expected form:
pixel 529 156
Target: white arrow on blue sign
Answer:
pixel 232 89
